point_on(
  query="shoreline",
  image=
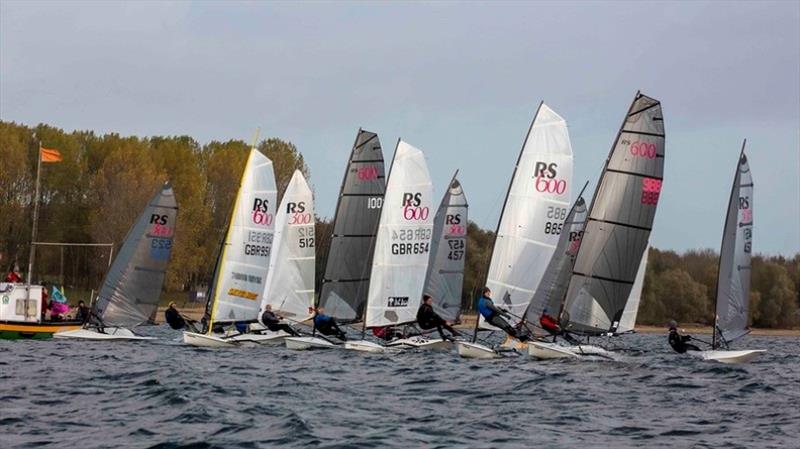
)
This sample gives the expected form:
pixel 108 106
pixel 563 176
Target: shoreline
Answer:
pixel 468 322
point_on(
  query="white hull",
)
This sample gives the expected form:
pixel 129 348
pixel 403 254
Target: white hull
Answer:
pixel 207 341
pixel 548 351
pixel 475 351
pixel 424 343
pixel 108 334
pixel 304 343
pixel 729 357
pixel 269 338
pixel 365 346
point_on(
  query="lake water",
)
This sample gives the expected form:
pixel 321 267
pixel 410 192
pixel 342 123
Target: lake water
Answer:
pixel 162 394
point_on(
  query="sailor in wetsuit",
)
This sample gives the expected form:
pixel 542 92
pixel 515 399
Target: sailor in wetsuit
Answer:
pixel 551 325
pixel 494 315
pixel 678 341
pixel 427 318
pixel 173 317
pixel 273 322
pixel 326 325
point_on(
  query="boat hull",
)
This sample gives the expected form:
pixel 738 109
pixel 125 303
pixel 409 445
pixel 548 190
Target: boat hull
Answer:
pixel 306 343
pixel 729 357
pixel 422 343
pixel 108 334
pixel 365 346
pixel 475 351
pixel 548 351
pixel 269 338
pixel 10 330
pixel 208 341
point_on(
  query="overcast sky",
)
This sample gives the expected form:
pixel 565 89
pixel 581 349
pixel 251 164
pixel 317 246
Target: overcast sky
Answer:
pixel 461 81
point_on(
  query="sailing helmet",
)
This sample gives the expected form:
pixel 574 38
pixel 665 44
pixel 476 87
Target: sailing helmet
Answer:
pixel 673 324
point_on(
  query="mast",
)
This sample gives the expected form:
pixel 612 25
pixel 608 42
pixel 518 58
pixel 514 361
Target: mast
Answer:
pixel 736 177
pixel 502 211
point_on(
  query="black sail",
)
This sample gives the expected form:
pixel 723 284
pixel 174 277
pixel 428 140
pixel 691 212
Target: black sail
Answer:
pixel 345 284
pixel 619 223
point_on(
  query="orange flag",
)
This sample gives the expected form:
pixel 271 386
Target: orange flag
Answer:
pixel 50 155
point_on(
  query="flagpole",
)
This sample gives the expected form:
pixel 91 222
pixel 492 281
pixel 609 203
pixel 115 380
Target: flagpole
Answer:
pixel 35 214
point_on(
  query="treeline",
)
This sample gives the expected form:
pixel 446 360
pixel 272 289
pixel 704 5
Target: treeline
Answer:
pixel 683 287
pixel 102 185
pixel 103 182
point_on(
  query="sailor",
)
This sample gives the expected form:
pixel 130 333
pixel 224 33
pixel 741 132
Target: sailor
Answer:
pixel 13 276
pixel 82 312
pixel 173 317
pixel 326 325
pixel 551 325
pixel 494 315
pixel 427 318
pixel 678 341
pixel 387 333
pixel 273 322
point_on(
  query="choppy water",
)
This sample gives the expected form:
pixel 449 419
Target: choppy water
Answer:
pixel 164 395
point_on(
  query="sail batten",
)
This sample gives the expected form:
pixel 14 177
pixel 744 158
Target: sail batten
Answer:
pixel 345 283
pixel 132 287
pixel 619 222
pixel 533 213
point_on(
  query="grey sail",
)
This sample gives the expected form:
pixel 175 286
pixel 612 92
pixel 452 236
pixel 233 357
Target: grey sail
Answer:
pixel 445 277
pixel 733 284
pixel 552 289
pixel 346 281
pixel 132 287
pixel 618 225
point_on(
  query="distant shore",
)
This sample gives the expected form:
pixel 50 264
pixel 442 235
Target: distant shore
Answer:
pixel 468 322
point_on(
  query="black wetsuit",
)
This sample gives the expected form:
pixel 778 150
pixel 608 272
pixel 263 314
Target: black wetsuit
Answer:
pixel 174 319
pixel 274 324
pixel 678 342
pixel 82 314
pixel 427 318
pixel 327 326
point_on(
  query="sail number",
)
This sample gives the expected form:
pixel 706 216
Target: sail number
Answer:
pixel 306 237
pixel 556 213
pixel 456 247
pixel 651 190
pixel 553 227
pixel 414 241
pixel 374 202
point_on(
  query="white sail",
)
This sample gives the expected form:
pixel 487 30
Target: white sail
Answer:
pixel 533 215
pixel 403 242
pixel 244 260
pixel 628 320
pixel 290 281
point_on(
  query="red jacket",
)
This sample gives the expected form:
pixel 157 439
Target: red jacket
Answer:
pixel 13 277
pixel 549 323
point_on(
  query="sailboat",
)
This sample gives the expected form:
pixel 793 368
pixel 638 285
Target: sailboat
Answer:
pixel 531 220
pixel 132 287
pixel 289 289
pixel 402 246
pixel 347 269
pixel 243 262
pixel 444 280
pixel 616 233
pixel 733 281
